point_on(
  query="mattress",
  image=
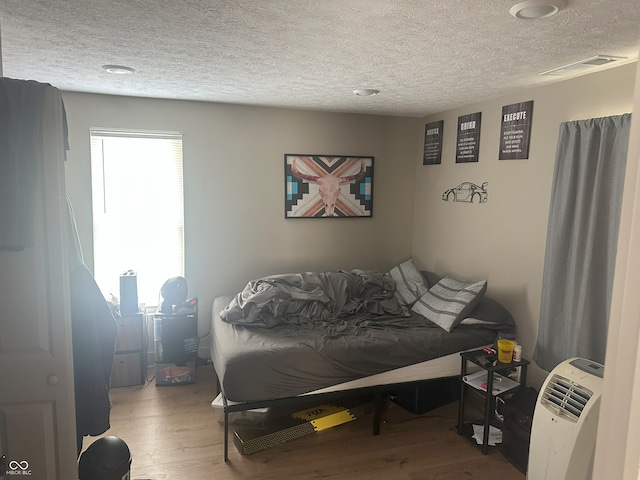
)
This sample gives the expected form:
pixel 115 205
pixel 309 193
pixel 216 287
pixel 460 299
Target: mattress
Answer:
pixel 255 364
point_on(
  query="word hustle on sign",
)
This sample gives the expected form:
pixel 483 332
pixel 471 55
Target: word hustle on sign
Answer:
pixel 511 117
pixel 433 131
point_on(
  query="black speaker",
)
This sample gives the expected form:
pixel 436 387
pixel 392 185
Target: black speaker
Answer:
pixel 128 293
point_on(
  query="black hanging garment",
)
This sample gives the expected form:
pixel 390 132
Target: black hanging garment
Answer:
pixel 94 343
pixel 94 339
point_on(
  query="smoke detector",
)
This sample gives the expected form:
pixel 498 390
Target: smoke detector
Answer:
pixel 117 69
pixel 366 92
pixel 536 9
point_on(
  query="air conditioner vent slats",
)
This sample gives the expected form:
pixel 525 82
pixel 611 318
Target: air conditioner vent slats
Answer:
pixel 568 399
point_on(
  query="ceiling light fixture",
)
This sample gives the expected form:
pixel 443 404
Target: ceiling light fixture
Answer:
pixel 536 9
pixel 366 92
pixel 117 69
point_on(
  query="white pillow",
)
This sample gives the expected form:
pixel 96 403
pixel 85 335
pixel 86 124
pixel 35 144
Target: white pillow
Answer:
pixel 449 301
pixel 410 284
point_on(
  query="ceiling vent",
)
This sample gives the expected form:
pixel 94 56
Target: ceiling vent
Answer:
pixel 583 65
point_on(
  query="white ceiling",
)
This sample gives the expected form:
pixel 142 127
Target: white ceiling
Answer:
pixel 425 56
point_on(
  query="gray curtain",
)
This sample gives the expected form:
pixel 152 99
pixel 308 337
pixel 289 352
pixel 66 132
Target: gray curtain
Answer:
pixel 582 239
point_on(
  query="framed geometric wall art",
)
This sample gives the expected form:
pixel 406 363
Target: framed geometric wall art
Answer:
pixel 328 186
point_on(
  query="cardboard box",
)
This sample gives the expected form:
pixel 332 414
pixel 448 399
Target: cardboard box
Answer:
pixel 256 416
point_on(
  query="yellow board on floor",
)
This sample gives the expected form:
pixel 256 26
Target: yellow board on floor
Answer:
pixel 325 416
pixel 281 429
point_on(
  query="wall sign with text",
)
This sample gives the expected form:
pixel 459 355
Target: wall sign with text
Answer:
pixel 433 133
pixel 515 131
pixel 468 144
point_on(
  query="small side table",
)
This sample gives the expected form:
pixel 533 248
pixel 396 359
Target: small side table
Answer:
pixel 176 347
pixel 478 357
pixel 129 361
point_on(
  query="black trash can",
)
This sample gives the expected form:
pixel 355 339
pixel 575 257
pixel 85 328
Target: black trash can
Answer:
pixel 107 458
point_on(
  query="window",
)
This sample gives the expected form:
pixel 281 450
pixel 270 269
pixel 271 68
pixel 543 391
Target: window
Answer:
pixel 138 220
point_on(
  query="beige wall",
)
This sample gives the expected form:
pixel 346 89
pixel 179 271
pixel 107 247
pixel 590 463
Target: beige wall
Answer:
pixel 504 239
pixel 233 176
pixel 234 212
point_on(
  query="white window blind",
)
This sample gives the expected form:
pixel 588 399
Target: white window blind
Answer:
pixel 138 209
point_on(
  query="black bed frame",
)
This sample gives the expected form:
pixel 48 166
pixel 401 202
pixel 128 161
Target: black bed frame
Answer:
pixel 378 392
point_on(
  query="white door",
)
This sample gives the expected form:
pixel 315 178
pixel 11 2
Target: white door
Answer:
pixel 37 408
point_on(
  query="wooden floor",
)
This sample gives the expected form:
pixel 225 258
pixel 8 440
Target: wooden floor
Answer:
pixel 173 433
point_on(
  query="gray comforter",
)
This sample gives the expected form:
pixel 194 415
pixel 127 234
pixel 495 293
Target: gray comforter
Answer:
pixel 314 342
pixel 314 297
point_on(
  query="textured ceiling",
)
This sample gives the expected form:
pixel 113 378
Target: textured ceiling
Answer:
pixel 424 55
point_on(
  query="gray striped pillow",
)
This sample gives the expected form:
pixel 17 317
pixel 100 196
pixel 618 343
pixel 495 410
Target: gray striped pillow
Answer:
pixel 449 301
pixel 410 284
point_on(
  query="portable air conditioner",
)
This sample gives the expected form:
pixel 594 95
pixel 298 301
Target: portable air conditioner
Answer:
pixel 565 422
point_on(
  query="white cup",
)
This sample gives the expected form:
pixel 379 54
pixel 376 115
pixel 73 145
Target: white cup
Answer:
pixel 517 353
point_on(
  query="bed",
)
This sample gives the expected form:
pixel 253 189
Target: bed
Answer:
pixel 277 341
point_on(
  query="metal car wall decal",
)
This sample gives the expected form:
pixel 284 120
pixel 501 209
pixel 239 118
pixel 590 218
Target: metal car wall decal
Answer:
pixel 467 192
